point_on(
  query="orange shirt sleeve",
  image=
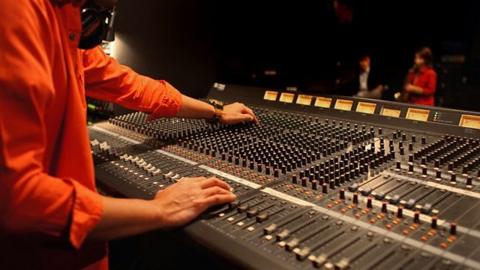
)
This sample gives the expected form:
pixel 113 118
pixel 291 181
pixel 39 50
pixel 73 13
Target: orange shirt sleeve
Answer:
pixel 106 79
pixel 32 201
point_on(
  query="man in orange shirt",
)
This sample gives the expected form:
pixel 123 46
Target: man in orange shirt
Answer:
pixel 51 216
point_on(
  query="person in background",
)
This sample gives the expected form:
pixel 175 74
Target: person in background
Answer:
pixel 421 80
pixel 365 82
pixel 368 85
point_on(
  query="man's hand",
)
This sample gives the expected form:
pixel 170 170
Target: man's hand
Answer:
pixel 180 203
pixel 237 113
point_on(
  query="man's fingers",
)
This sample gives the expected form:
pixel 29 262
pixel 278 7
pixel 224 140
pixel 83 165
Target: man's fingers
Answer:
pixel 237 118
pixel 214 182
pixel 211 191
pixel 250 112
pixel 216 199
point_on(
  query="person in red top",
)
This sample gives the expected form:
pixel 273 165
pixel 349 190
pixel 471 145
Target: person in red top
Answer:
pixel 51 216
pixel 421 80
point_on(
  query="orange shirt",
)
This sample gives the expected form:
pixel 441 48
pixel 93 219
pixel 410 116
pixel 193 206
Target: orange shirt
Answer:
pixel 48 202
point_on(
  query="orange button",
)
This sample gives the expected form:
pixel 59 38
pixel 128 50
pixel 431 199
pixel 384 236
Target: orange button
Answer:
pixel 451 238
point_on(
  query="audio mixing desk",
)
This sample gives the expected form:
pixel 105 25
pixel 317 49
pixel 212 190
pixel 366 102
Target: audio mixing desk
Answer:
pixel 323 182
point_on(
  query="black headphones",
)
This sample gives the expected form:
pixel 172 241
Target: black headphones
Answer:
pixel 97 25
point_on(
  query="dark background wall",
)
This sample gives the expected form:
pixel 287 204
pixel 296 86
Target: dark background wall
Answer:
pixel 171 40
pixel 307 44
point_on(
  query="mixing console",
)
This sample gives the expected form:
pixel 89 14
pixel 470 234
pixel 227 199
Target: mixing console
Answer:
pixel 318 187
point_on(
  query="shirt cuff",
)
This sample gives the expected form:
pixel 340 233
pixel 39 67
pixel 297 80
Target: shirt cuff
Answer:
pixel 87 211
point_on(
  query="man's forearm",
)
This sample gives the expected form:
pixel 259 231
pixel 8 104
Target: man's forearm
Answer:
pixel 124 217
pixel 194 108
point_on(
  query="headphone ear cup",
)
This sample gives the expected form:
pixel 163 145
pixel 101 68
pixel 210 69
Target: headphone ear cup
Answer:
pixel 93 28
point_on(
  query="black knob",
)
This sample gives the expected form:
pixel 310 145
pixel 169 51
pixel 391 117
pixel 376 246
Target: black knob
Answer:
pixel 433 224
pixel 438 174
pixel 469 181
pixel 304 181
pixel 453 228
pixel 369 202
pixel 414 139
pixel 400 212
pixel 398 166
pixel 384 207
pixel 294 179
pixel 325 188
pixel 453 178
pixel 416 217
pixel 437 163
pixel 342 194
pixel 355 198
pixel 424 140
pixel 314 184
pixel 332 184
